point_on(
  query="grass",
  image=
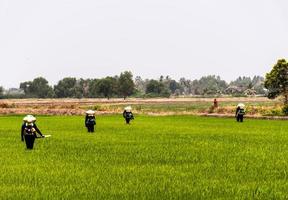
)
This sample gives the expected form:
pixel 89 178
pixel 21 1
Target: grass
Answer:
pixel 171 157
pixel 225 107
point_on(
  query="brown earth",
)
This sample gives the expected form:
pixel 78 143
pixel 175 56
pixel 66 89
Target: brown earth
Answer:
pixel 78 106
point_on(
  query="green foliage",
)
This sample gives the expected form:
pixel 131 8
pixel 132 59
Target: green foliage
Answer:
pixel 140 85
pixel 238 95
pixel 66 88
pixel 107 86
pixel 243 83
pixel 156 88
pixel 173 86
pixel 277 80
pixel 246 85
pixel 1 92
pixel 93 88
pixel 275 112
pixel 285 109
pixel 82 88
pixel 173 157
pixel 96 107
pixel 38 88
pixel 208 85
pixel 126 84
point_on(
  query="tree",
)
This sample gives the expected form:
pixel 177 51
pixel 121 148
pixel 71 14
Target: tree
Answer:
pixel 1 92
pixel 82 88
pixel 38 88
pixel 243 83
pixel 157 88
pixel 126 84
pixel 209 85
pixel 41 88
pixel 66 88
pixel 174 86
pixel 154 87
pixel 185 85
pixel 93 88
pixel 277 81
pixel 106 86
pixel 258 84
pixel 26 87
pixel 140 84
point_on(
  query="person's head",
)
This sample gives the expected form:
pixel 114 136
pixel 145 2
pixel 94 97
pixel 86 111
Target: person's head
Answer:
pixel 29 119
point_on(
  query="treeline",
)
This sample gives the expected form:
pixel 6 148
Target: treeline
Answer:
pixel 124 85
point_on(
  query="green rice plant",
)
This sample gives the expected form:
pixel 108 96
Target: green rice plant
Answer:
pixel 167 157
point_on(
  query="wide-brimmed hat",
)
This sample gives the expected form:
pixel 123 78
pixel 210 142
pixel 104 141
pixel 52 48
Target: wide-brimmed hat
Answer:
pixel 241 105
pixel 29 118
pixel 128 108
pixel 90 112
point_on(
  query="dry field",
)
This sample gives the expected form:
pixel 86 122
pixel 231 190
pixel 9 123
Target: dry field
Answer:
pixel 256 106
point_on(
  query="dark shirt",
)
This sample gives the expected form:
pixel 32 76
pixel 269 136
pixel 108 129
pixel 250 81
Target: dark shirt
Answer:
pixel 237 110
pixel 240 111
pixel 34 126
pixel 128 115
pixel 90 120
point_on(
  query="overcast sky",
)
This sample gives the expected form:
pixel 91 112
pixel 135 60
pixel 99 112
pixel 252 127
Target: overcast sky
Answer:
pixel 179 38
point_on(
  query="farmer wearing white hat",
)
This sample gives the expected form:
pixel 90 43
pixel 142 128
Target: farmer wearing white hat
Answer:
pixel 127 114
pixel 90 120
pixel 240 112
pixel 29 131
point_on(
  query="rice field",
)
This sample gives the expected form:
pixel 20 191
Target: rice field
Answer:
pixel 156 157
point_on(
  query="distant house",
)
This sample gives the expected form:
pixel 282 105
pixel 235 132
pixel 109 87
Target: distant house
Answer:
pixel 233 90
pixel 250 92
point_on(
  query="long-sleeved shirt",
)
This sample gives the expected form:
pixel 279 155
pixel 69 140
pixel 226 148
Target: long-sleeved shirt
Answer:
pixel 90 120
pixel 24 125
pixel 239 111
pixel 128 115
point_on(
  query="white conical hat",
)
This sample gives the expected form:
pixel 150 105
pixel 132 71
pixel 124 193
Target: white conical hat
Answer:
pixel 241 105
pixel 29 118
pixel 128 108
pixel 90 112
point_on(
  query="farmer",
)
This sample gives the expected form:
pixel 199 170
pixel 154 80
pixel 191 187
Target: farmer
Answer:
pixel 240 112
pixel 29 131
pixel 215 103
pixel 127 114
pixel 90 120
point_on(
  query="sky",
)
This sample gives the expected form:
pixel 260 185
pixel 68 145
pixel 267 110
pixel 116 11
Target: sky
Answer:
pixel 180 38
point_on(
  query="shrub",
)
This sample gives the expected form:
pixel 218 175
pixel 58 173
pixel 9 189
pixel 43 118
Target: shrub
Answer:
pixel 96 107
pixel 4 105
pixel 285 109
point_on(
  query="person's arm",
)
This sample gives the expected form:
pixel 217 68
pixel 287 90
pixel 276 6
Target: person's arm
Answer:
pixel 38 131
pixel 124 114
pixel 86 118
pixel 22 132
pixel 237 110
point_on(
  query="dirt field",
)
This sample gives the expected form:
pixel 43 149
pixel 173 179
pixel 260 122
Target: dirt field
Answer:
pixel 258 106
